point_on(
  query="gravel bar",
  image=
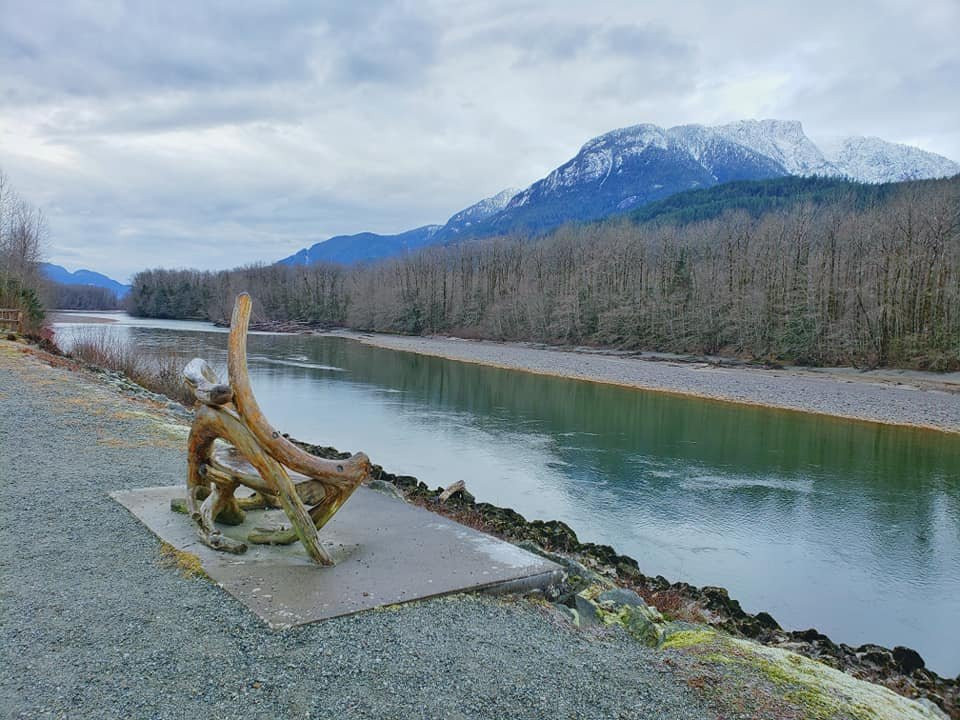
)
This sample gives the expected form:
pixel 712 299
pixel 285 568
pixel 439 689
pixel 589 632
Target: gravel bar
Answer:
pixel 93 626
pixel 890 397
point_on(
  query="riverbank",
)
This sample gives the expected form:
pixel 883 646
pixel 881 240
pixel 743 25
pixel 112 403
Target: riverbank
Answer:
pixel 908 398
pixel 80 317
pixel 890 396
pixel 80 634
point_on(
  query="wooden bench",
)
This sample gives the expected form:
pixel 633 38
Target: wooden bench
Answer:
pixel 11 319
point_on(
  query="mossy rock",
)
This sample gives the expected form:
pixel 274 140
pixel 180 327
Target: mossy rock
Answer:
pixel 825 692
pixel 621 596
pixel 588 612
pixel 819 691
pixel 638 621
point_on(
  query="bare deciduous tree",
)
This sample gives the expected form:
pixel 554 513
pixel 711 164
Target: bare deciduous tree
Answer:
pixel 22 233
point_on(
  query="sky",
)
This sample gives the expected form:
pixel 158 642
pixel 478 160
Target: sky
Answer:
pixel 214 134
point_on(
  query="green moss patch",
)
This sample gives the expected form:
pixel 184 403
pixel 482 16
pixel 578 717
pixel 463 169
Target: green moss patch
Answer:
pixel 187 563
pixel 688 638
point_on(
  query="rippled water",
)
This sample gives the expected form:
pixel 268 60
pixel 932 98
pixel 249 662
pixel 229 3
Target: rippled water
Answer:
pixel 852 528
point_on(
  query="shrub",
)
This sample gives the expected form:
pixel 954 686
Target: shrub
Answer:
pixel 156 370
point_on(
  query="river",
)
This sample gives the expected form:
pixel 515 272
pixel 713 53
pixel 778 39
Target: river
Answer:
pixel 849 527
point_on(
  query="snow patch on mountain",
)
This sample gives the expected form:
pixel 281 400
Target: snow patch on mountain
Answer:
pixel 597 159
pixel 781 140
pixel 865 159
pixel 720 156
pixel 602 155
pixel 481 210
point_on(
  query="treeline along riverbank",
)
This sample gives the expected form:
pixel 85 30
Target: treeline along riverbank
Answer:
pixel 851 274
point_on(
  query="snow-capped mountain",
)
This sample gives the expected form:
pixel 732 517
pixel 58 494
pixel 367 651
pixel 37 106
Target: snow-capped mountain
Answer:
pixel 872 160
pixel 480 211
pixel 629 167
pixel 633 166
pixel 865 159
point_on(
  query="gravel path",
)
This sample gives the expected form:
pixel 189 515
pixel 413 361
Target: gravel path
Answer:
pixel 918 399
pixel 92 626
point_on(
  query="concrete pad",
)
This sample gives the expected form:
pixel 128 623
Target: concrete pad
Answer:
pixel 387 551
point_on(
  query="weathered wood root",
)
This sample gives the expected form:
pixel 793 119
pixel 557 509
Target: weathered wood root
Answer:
pixel 272 536
pixel 258 501
pixel 205 384
pixel 214 422
pixel 218 541
pixel 211 484
pixel 451 490
pixel 251 502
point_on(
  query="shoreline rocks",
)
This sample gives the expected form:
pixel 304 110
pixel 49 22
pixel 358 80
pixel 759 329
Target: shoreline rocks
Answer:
pixel 617 582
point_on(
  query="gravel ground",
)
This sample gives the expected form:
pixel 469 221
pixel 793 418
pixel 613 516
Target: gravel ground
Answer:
pixel 918 399
pixel 92 626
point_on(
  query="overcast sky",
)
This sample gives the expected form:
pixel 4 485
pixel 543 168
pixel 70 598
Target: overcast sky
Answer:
pixel 214 134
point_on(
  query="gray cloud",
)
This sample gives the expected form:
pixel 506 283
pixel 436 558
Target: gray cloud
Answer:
pixel 219 133
pixel 393 46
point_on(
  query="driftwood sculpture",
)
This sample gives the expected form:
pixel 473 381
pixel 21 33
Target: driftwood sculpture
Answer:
pixel 230 411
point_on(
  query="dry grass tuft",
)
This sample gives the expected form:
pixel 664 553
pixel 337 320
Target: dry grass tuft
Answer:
pixel 156 370
pixel 672 604
pixel 157 440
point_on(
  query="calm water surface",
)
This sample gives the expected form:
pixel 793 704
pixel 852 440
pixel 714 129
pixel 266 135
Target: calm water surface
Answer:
pixel 848 527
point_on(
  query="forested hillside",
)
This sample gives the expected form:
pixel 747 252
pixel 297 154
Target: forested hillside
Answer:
pixel 799 270
pixel 82 297
pixel 762 196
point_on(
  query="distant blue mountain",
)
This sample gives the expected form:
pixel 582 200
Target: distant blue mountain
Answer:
pixel 60 274
pixel 629 168
pixel 348 249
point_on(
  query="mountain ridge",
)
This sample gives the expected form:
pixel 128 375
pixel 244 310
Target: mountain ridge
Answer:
pixel 629 167
pixel 59 274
